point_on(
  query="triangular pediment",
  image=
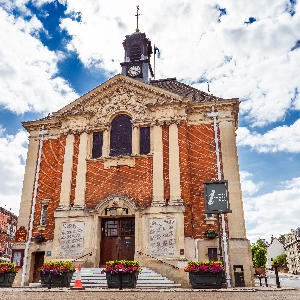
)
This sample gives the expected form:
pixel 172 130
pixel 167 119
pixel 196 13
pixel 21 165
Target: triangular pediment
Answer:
pixel 121 91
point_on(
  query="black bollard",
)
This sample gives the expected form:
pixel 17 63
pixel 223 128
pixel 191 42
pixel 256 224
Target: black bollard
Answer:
pixel 277 277
pixel 50 280
pixel 121 283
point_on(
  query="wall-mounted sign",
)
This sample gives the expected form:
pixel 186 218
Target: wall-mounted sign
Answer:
pixel 71 242
pixel 162 237
pixel 216 197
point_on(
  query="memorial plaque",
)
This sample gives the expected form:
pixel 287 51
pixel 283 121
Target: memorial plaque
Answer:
pixel 216 197
pixel 71 242
pixel 162 238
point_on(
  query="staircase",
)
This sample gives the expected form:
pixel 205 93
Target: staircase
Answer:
pixel 92 277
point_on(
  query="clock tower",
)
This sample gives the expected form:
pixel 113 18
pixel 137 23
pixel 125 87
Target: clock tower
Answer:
pixel 138 50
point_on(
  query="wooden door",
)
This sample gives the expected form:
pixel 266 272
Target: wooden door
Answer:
pixel 38 262
pixel 117 240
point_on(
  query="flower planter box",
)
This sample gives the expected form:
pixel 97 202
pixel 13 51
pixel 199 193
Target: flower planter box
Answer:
pixel 206 280
pixel 57 280
pixel 7 279
pixel 128 280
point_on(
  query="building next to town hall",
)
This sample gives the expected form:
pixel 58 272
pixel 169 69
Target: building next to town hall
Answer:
pixel 119 174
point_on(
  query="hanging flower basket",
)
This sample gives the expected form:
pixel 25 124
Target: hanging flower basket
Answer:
pixel 39 238
pixel 211 234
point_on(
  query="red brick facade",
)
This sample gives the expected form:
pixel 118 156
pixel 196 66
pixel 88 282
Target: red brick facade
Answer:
pixel 197 164
pixel 49 182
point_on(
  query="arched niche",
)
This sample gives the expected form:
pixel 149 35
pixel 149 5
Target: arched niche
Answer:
pixel 122 205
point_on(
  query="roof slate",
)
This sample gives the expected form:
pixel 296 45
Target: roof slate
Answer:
pixel 183 90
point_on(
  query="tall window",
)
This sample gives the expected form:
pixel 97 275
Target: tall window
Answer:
pixel 144 140
pixel 121 136
pixel 44 214
pixel 97 144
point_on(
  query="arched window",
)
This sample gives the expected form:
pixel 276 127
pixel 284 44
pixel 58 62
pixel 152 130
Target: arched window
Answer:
pixel 121 136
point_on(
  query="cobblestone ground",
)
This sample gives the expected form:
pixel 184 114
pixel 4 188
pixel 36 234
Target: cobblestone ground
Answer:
pixel 20 294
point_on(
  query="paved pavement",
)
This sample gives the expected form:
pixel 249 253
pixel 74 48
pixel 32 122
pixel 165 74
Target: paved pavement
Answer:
pixel 257 292
pixel 144 294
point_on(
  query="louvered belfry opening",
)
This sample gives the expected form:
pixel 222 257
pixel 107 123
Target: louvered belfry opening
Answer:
pixel 121 136
pixel 135 52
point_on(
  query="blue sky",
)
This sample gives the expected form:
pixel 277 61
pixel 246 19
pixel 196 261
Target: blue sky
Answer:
pixel 51 52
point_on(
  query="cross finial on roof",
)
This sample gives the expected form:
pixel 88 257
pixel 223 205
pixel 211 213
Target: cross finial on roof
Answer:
pixel 137 18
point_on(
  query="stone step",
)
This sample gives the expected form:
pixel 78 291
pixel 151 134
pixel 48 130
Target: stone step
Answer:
pixel 92 277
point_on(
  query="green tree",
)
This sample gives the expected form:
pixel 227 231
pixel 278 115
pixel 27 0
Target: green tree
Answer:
pixel 280 260
pixel 281 239
pixel 262 242
pixel 259 255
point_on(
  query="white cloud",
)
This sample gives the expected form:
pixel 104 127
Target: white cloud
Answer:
pixel 252 62
pixel 273 213
pixel 27 69
pixel 248 186
pixel 283 138
pixel 13 151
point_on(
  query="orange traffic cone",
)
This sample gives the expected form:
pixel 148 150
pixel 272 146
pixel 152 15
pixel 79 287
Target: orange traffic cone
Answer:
pixel 78 283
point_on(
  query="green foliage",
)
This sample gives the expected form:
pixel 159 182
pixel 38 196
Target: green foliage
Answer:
pixel 259 255
pixel 262 243
pixel 280 260
pixel 281 239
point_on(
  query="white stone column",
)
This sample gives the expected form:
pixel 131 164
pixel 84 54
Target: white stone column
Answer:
pixel 174 168
pixel 65 190
pixel 105 146
pixel 135 140
pixel 158 177
pixel 79 201
pixel 28 183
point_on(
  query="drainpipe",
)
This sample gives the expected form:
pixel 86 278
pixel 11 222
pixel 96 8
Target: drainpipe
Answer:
pixel 36 183
pixel 196 250
pixel 214 115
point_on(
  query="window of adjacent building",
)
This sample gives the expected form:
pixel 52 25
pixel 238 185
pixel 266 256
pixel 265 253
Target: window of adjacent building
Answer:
pixel 17 258
pixel 44 214
pixel 121 136
pixel 144 140
pixel 97 144
pixel 212 254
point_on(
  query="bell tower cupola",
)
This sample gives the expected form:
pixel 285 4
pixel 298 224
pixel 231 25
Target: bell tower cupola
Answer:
pixel 138 50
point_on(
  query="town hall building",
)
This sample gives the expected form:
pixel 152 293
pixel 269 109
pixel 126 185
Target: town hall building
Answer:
pixel 119 174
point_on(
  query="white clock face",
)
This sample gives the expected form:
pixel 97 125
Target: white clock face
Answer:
pixel 134 71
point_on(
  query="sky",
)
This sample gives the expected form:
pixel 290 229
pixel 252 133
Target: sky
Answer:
pixel 52 52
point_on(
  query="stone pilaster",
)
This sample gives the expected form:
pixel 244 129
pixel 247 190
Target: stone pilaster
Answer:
pixel 105 146
pixel 174 169
pixel 158 179
pixel 238 245
pixel 67 174
pixel 135 140
pixel 79 201
pixel 28 183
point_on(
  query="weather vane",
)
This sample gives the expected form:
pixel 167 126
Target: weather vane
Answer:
pixel 137 18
